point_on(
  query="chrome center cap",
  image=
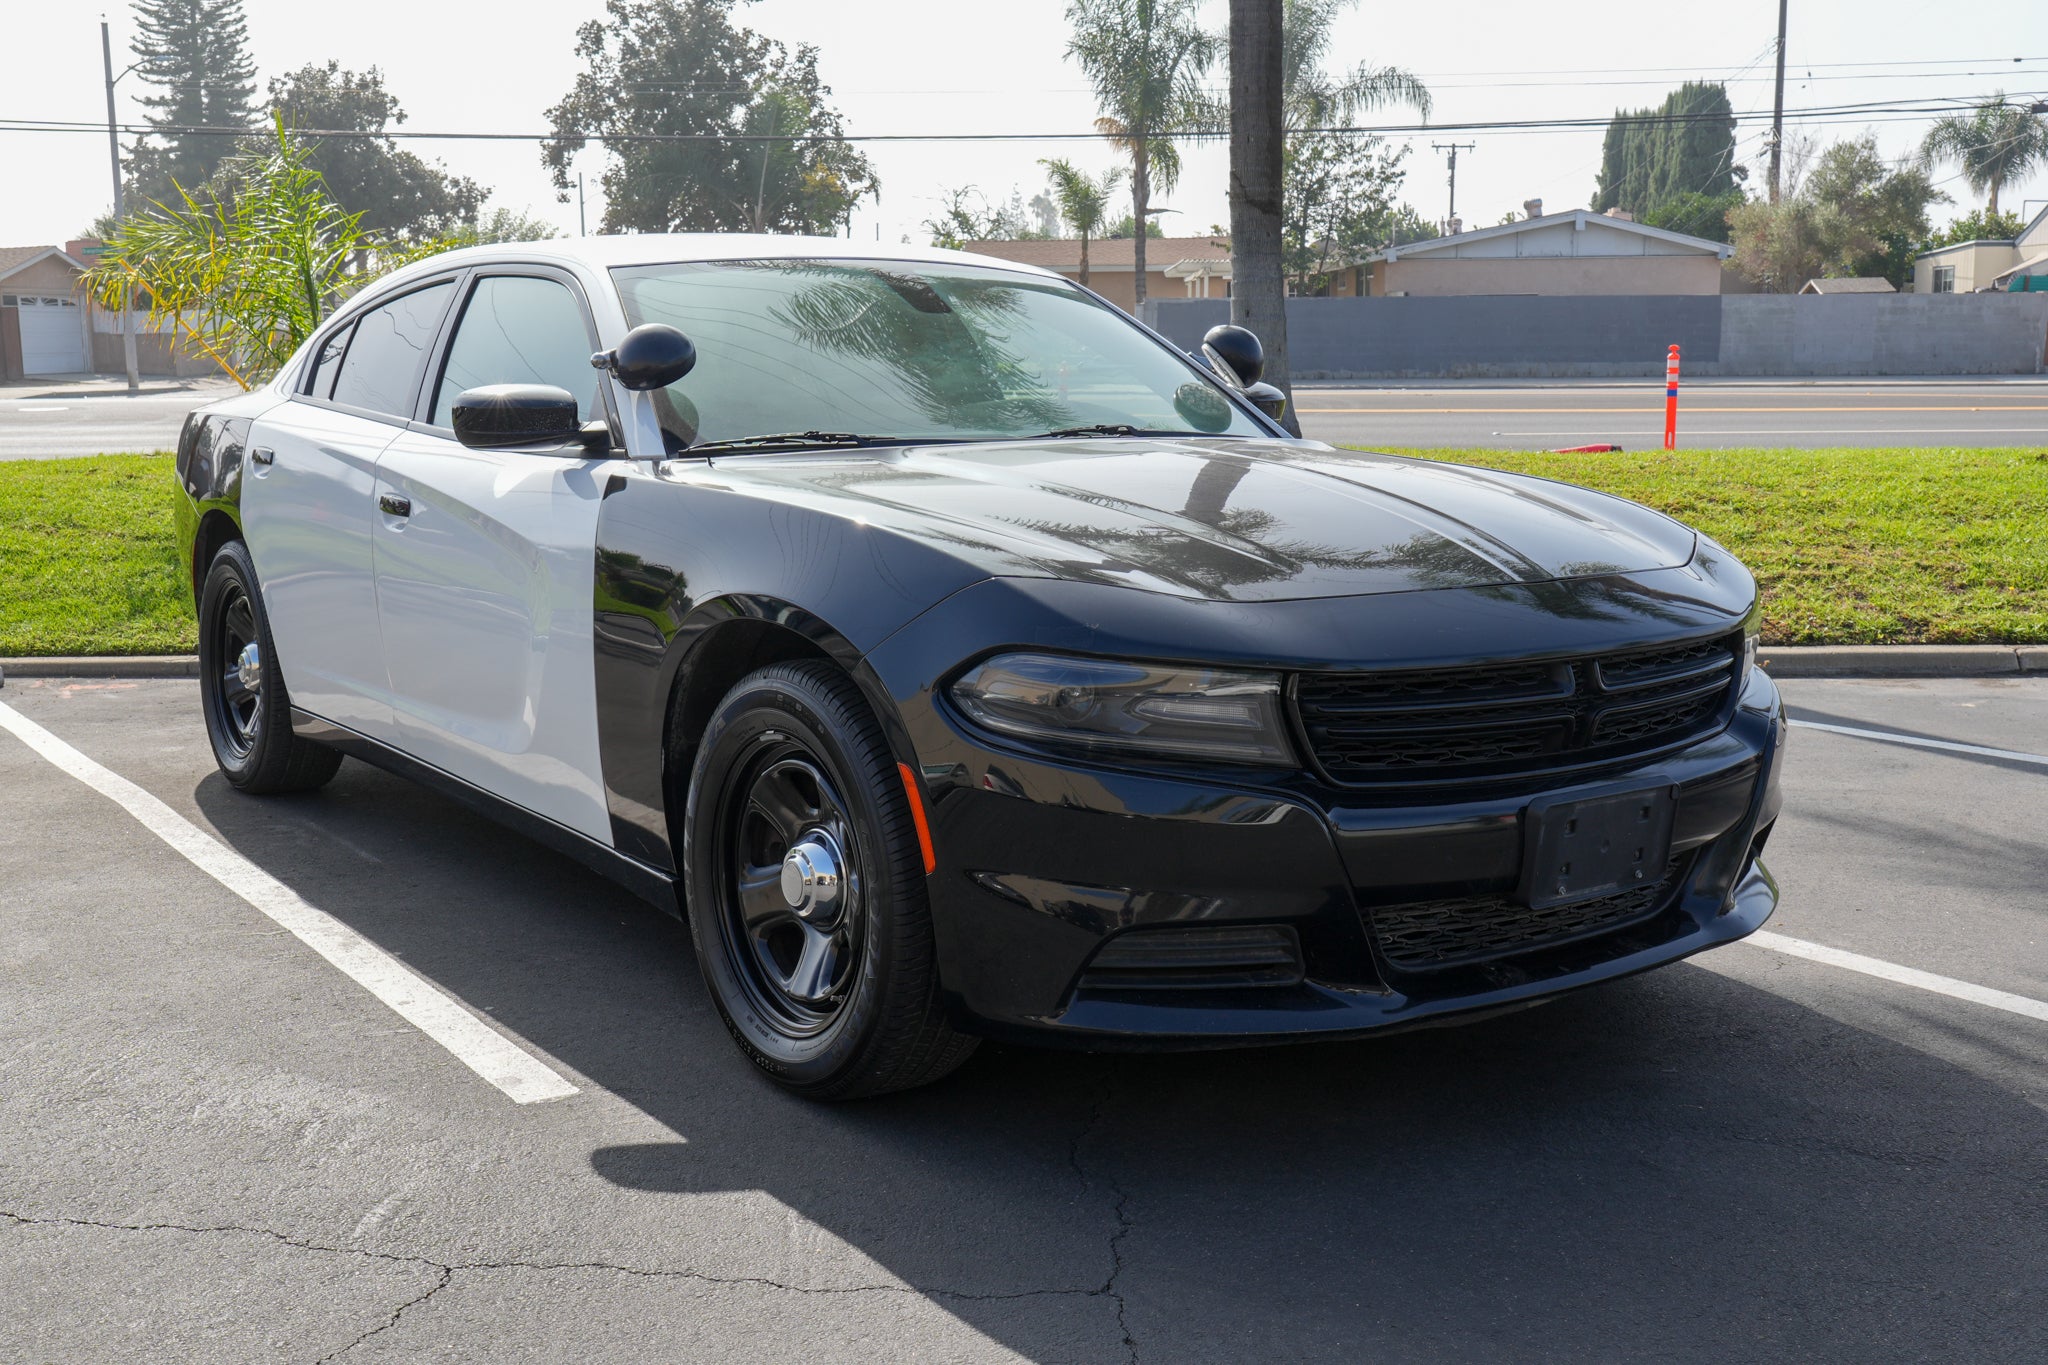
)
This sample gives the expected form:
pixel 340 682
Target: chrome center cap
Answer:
pixel 249 667
pixel 811 875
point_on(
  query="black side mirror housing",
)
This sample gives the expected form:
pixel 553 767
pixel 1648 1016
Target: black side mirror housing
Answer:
pixel 503 416
pixel 1235 353
pixel 1267 399
pixel 651 356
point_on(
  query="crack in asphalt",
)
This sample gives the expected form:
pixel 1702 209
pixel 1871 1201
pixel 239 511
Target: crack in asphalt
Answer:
pixel 1121 1210
pixel 448 1270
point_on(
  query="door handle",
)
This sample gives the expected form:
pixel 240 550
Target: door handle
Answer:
pixel 394 504
pixel 263 455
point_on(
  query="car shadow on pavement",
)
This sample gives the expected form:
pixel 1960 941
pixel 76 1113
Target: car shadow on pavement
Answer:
pixel 1680 1166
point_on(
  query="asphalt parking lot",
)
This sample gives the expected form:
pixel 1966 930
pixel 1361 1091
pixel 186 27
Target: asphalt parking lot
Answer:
pixel 216 1146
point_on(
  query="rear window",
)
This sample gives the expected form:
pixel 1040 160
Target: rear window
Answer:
pixel 380 370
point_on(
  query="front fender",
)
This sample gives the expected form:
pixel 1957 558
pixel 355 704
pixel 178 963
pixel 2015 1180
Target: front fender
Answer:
pixel 696 581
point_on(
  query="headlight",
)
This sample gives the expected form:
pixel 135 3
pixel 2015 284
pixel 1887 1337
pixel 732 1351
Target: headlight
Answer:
pixel 1191 713
pixel 1749 646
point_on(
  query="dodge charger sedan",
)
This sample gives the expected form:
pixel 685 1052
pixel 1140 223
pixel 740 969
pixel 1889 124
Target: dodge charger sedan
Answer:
pixel 964 660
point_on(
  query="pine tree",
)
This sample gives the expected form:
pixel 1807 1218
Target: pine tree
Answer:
pixel 196 54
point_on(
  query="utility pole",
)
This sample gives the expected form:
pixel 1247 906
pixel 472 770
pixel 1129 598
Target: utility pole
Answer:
pixel 114 154
pixel 767 147
pixel 1778 107
pixel 582 228
pixel 1453 148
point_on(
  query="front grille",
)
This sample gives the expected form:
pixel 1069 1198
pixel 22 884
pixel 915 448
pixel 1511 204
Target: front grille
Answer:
pixel 1420 725
pixel 1421 935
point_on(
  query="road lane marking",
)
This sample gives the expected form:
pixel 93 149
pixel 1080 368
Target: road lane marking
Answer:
pixel 418 1001
pixel 1904 976
pixel 1945 745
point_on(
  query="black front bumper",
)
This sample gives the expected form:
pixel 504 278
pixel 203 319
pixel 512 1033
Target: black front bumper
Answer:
pixel 1042 864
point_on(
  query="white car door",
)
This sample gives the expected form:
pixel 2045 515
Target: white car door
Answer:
pixel 308 506
pixel 484 579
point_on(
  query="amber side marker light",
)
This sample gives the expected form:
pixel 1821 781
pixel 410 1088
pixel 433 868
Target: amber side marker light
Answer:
pixel 924 829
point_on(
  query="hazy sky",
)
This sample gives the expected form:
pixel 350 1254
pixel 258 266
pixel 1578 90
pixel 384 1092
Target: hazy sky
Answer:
pixel 921 66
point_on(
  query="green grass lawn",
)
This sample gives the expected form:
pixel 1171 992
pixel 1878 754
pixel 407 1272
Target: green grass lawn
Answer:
pixel 1852 546
pixel 88 558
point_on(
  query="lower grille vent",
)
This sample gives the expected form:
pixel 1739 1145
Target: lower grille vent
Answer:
pixel 1176 958
pixel 1421 935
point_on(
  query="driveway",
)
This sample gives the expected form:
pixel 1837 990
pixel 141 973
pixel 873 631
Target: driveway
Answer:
pixel 216 1145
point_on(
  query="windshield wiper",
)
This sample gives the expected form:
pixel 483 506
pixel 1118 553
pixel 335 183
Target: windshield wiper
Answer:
pixel 803 438
pixel 1113 429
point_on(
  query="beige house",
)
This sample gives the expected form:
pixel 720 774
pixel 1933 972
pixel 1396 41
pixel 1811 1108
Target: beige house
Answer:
pixel 50 326
pixel 1968 267
pixel 1578 252
pixel 1175 267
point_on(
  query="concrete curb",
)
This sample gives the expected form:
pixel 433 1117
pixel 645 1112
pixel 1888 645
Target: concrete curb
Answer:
pixel 1801 661
pixel 103 666
pixel 1903 661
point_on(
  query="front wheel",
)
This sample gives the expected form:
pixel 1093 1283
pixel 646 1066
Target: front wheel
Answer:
pixel 248 714
pixel 806 890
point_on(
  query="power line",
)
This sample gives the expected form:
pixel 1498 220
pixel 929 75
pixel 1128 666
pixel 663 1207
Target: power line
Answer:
pixel 1880 111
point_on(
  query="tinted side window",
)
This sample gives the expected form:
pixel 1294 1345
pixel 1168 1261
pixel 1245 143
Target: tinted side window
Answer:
pixel 390 344
pixel 519 329
pixel 327 364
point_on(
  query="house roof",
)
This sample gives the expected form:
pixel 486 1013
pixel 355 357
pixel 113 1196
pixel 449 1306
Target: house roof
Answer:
pixel 2037 265
pixel 1105 253
pixel 1855 284
pixel 1577 220
pixel 15 258
pixel 1964 246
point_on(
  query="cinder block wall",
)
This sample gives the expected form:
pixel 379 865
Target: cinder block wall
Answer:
pixel 1600 337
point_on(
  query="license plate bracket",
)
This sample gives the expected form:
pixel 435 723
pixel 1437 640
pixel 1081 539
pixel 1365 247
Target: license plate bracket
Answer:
pixel 1588 844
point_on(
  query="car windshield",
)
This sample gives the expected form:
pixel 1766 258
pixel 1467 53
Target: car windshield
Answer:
pixel 908 350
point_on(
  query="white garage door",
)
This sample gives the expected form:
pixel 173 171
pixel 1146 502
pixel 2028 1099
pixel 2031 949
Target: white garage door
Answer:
pixel 52 336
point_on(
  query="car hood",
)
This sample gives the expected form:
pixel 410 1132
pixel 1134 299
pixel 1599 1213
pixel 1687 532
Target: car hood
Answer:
pixel 1226 519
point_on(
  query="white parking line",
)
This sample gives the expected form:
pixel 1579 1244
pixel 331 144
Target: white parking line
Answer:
pixel 422 1004
pixel 1904 976
pixel 1949 746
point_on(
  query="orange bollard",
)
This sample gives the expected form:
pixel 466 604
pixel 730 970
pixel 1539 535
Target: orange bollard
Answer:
pixel 1671 400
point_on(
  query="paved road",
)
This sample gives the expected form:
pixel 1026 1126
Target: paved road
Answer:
pixel 87 420
pixel 44 421
pixel 214 1146
pixel 1630 413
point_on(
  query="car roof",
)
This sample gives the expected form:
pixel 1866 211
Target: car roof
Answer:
pixel 658 248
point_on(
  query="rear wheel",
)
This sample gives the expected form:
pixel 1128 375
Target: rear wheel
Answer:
pixel 806 891
pixel 248 713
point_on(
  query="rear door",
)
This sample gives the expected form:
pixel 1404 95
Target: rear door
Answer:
pixel 308 506
pixel 484 580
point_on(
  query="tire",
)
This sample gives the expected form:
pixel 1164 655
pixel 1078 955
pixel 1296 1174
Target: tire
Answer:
pixel 248 712
pixel 830 987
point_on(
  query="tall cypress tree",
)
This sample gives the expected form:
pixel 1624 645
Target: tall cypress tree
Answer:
pixel 1685 146
pixel 196 55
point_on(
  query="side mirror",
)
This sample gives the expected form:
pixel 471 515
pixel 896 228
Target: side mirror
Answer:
pixel 1235 354
pixel 651 356
pixel 498 416
pixel 1269 400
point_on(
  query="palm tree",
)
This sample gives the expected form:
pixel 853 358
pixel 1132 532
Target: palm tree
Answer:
pixel 1257 119
pixel 1083 199
pixel 1315 99
pixel 1995 143
pixel 1145 59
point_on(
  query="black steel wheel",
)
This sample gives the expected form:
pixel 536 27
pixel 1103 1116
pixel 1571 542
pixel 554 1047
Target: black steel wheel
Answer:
pixel 242 693
pixel 806 890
